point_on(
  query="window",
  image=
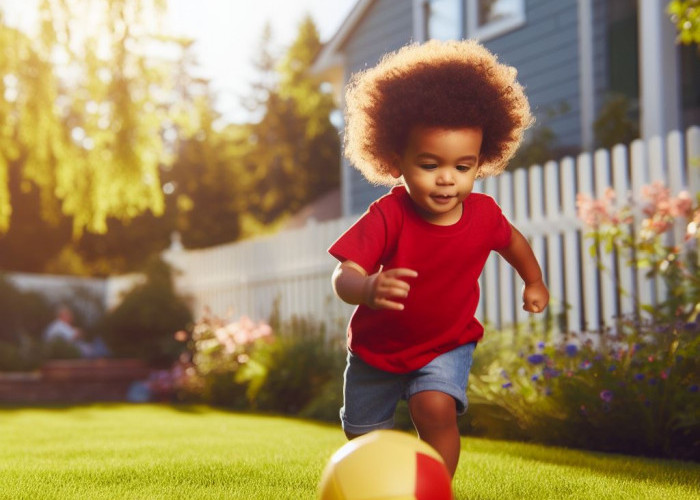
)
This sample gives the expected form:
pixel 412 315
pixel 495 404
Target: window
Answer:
pixel 443 19
pixel 490 18
pixel 456 19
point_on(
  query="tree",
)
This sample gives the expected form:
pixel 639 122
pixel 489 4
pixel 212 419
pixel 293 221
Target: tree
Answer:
pixel 685 14
pixel 84 131
pixel 105 146
pixel 295 148
pixel 208 197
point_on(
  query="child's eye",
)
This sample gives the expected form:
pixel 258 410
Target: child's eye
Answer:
pixel 464 168
pixel 428 166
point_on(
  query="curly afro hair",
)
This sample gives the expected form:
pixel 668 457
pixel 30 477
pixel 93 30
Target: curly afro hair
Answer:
pixel 452 84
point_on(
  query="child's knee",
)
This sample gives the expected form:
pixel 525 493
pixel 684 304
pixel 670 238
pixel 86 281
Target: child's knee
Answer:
pixel 433 408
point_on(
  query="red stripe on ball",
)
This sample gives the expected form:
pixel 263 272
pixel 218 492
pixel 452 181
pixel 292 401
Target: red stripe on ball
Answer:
pixel 433 482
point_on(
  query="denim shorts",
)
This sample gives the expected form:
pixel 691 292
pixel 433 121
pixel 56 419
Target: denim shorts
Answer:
pixel 371 395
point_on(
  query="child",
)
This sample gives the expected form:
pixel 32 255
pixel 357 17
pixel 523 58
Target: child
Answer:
pixel 434 116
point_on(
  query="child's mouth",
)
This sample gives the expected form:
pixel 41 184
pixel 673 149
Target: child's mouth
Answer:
pixel 442 198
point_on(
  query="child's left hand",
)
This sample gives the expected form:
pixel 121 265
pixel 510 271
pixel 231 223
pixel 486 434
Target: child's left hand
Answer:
pixel 535 296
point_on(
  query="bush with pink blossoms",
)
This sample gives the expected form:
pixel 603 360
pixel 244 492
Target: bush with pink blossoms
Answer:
pixel 650 244
pixel 220 362
pixel 242 365
pixel 633 387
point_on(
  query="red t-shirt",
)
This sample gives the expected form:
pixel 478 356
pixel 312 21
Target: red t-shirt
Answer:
pixel 439 310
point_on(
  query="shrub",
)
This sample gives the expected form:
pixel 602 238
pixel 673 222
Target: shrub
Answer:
pixel 240 364
pixel 218 350
pixel 303 370
pixel 24 317
pixel 633 387
pixel 633 391
pixel 144 323
pixel 24 314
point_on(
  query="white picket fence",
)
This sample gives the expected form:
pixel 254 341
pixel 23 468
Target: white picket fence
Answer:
pixel 293 267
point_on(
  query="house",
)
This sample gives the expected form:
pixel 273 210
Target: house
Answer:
pixel 571 56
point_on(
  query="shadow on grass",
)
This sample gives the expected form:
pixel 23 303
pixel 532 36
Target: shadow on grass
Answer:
pixel 663 472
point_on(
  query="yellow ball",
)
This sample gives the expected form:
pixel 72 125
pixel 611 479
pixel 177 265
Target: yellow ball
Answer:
pixel 385 465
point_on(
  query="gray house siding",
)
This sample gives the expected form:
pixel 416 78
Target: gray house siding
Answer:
pixel 545 53
pixel 600 52
pixel 387 26
pixel 544 50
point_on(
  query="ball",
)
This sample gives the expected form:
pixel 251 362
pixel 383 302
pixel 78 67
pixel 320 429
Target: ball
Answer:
pixel 386 465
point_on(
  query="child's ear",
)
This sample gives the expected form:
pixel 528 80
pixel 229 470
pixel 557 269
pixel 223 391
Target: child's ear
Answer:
pixel 395 167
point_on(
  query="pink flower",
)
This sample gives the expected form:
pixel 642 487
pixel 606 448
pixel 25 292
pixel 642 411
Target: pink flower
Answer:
pixel 595 212
pixel 681 205
pixel 658 197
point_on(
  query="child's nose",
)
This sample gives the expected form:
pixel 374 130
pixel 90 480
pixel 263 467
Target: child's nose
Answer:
pixel 445 177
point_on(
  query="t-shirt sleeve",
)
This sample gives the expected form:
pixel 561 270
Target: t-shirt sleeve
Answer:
pixel 364 243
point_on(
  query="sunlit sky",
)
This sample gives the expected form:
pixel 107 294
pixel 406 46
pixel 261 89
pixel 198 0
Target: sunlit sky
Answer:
pixel 226 34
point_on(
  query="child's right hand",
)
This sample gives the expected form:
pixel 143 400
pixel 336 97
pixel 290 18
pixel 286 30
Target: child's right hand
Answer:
pixel 380 288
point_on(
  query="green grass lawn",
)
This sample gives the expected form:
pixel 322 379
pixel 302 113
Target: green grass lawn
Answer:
pixel 161 452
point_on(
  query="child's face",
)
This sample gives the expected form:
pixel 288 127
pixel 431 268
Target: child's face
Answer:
pixel 439 167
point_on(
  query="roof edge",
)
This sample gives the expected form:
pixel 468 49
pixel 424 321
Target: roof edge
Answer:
pixel 330 57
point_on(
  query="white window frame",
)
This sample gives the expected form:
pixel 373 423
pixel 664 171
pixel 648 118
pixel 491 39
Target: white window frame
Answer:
pixel 473 30
pixel 496 28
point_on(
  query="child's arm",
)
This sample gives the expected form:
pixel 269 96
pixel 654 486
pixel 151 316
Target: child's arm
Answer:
pixel 352 284
pixel 519 255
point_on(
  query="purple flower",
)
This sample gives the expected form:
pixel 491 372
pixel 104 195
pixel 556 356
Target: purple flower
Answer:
pixel 606 395
pixel 653 381
pixel 549 372
pixel 507 385
pixel 639 376
pixel 535 378
pixel 585 365
pixel 691 326
pixel 693 388
pixel 571 350
pixel 540 345
pixel 536 359
pixel 612 368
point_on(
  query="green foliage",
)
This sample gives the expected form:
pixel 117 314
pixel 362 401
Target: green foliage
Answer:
pixel 631 390
pixel 208 183
pixel 239 364
pixel 61 349
pixel 634 387
pixel 540 143
pixel 614 124
pixel 143 325
pixel 75 113
pixel 302 371
pixel 294 149
pixel 24 317
pixel 24 314
pixel 224 367
pixel 139 150
pixel 685 14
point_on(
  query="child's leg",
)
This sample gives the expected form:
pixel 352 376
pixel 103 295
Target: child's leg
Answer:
pixel 436 395
pixel 434 414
